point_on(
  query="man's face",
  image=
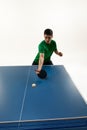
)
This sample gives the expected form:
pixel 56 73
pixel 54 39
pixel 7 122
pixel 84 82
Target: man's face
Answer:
pixel 48 38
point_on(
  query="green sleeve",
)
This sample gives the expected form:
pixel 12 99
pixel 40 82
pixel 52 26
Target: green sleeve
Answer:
pixel 41 48
pixel 55 46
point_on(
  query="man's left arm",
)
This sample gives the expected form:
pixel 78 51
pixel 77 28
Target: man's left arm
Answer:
pixel 56 50
pixel 58 53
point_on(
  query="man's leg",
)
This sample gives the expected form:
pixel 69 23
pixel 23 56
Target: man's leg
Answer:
pixel 48 63
pixel 34 63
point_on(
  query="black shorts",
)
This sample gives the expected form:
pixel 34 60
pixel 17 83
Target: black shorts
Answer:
pixel 45 63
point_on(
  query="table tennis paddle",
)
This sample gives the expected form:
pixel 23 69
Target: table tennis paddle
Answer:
pixel 42 74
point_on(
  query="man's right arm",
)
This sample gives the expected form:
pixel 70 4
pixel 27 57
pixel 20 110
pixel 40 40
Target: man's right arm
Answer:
pixel 40 64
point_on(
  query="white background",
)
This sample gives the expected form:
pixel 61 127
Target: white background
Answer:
pixel 22 23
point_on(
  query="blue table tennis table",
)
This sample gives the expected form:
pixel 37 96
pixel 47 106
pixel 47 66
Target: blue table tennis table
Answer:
pixel 54 104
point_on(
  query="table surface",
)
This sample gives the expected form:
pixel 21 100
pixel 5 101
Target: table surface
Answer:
pixel 54 99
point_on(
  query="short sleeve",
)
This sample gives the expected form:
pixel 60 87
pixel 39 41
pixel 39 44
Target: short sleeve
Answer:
pixel 41 48
pixel 55 46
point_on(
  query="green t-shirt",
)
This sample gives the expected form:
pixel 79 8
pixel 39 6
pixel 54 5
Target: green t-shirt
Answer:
pixel 47 49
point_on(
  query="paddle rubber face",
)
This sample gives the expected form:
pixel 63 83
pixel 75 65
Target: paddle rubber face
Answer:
pixel 42 74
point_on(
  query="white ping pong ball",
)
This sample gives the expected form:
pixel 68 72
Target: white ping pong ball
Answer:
pixel 33 85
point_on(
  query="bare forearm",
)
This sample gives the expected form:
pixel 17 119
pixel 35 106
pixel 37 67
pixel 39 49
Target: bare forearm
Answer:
pixel 41 61
pixel 59 53
pixel 40 64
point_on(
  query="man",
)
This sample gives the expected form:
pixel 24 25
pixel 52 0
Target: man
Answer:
pixel 46 49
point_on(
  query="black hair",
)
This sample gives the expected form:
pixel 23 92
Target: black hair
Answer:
pixel 48 32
